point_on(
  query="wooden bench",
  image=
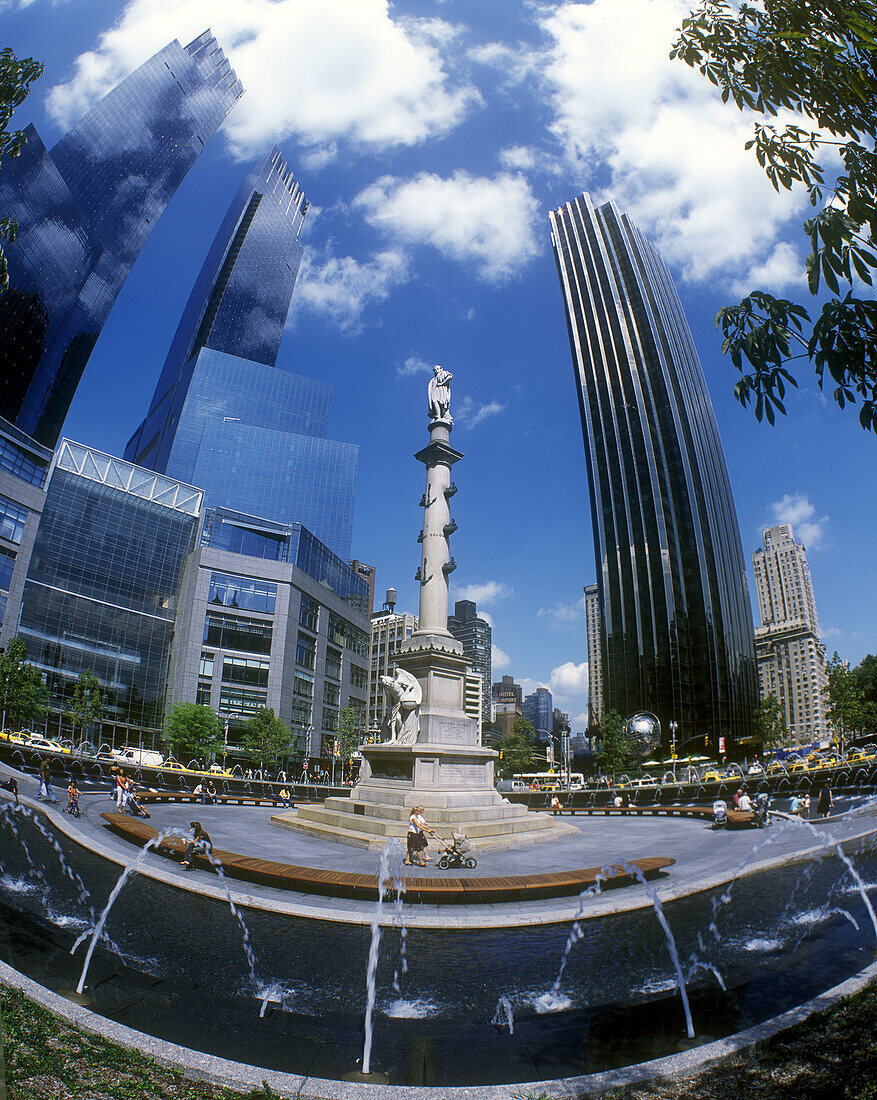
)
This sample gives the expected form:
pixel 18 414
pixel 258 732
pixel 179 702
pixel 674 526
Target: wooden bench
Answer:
pixel 153 797
pixel 347 884
pixel 736 818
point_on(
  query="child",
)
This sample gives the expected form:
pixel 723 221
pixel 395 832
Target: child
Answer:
pixel 73 800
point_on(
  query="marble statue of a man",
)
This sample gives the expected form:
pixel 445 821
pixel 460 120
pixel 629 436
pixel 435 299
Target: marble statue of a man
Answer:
pixel 440 395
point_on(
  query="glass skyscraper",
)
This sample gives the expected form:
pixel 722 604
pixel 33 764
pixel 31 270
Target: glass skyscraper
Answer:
pixel 102 584
pixel 223 416
pixel 85 209
pixel 676 631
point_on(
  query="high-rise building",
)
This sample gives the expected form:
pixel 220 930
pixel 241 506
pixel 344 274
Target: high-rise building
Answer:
pixel 269 617
pixel 593 622
pixel 223 415
pixel 388 631
pixel 537 708
pixel 102 584
pixel 791 658
pixel 677 634
pixel 85 209
pixel 367 572
pixel 506 692
pixel 475 635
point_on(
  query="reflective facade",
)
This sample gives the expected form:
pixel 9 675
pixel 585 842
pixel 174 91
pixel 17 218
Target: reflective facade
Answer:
pixel 85 209
pixel 238 305
pixel 223 416
pixel 101 589
pixel 476 636
pixel 676 630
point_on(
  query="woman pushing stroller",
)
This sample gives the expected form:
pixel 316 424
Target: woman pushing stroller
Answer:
pixel 417 829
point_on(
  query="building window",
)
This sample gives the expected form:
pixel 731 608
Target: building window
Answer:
pixel 20 464
pixel 331 694
pixel 12 520
pixel 358 677
pixel 305 651
pixel 242 592
pixel 309 613
pixel 333 663
pixel 239 699
pixel 226 632
pixel 206 666
pixel 7 567
pixel 203 696
pixel 245 670
pixel 303 685
pixel 345 634
pixel 301 713
pixel 330 718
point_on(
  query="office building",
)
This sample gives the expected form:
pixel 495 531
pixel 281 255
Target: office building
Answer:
pixel 506 692
pixel 791 658
pixel 223 416
pixel 537 708
pixel 269 617
pixel 475 635
pixel 593 623
pixel 473 699
pixel 24 467
pixel 367 572
pixel 676 632
pixel 101 589
pixel 85 209
pixel 388 630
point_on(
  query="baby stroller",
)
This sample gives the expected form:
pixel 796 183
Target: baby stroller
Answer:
pixel 761 818
pixel 720 813
pixel 454 852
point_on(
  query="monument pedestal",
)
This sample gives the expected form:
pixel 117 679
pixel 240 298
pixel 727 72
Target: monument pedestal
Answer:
pixel 432 757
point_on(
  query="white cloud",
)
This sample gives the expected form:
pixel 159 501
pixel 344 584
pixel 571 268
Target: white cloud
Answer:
pixel 488 592
pixel 413 365
pixel 498 659
pixel 564 613
pixel 468 413
pixel 797 510
pixel 488 222
pixel 528 686
pixel 487 617
pixel 569 679
pixel 339 288
pixel 673 152
pixel 321 71
pixel 518 158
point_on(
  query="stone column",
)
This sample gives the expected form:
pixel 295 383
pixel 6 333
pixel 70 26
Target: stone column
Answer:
pixel 436 563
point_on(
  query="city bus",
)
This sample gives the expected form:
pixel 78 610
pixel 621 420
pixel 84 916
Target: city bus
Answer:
pixel 548 781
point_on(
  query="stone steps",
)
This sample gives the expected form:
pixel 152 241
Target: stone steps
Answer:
pixel 387 825
pixel 357 837
pixel 450 815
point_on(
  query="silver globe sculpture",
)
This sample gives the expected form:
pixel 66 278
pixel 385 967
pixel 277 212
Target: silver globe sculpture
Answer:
pixel 643 733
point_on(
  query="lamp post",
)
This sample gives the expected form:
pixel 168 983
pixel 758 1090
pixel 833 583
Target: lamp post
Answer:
pixel 673 726
pixel 228 718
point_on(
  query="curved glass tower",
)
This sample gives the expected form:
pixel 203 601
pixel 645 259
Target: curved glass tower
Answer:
pixel 84 212
pixel 676 629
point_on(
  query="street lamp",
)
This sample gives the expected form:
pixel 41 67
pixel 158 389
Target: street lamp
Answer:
pixel 228 718
pixel 673 726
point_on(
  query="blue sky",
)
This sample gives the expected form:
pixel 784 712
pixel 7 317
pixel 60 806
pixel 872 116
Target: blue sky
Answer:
pixel 432 138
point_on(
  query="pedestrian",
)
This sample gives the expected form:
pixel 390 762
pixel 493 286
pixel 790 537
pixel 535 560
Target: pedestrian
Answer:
pixel 556 805
pixel 417 838
pixel 824 803
pixel 805 806
pixel 210 793
pixel 738 794
pixel 46 783
pixel 11 785
pixel 284 798
pixel 199 793
pixel 119 789
pixel 795 806
pixel 199 843
pixel 72 800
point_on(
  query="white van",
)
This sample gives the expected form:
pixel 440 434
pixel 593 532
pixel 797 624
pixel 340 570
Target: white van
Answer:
pixel 144 758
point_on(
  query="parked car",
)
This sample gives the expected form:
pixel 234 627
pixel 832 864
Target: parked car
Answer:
pixel 37 741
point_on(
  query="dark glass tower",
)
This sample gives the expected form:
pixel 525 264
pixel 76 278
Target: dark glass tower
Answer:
pixel 223 416
pixel 85 209
pixel 677 635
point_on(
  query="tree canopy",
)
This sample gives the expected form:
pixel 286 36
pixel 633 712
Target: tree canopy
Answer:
pixel 769 722
pixel 516 750
pixel 614 755
pixel 23 693
pixel 265 736
pixel 851 695
pixel 815 61
pixel 16 77
pixel 193 730
pixel 350 731
pixel 86 704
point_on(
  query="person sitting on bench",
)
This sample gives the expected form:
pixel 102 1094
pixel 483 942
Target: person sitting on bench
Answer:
pixel 200 844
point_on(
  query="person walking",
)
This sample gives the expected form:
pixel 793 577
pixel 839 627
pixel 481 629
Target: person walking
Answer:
pixel 417 827
pixel 824 803
pixel 45 791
